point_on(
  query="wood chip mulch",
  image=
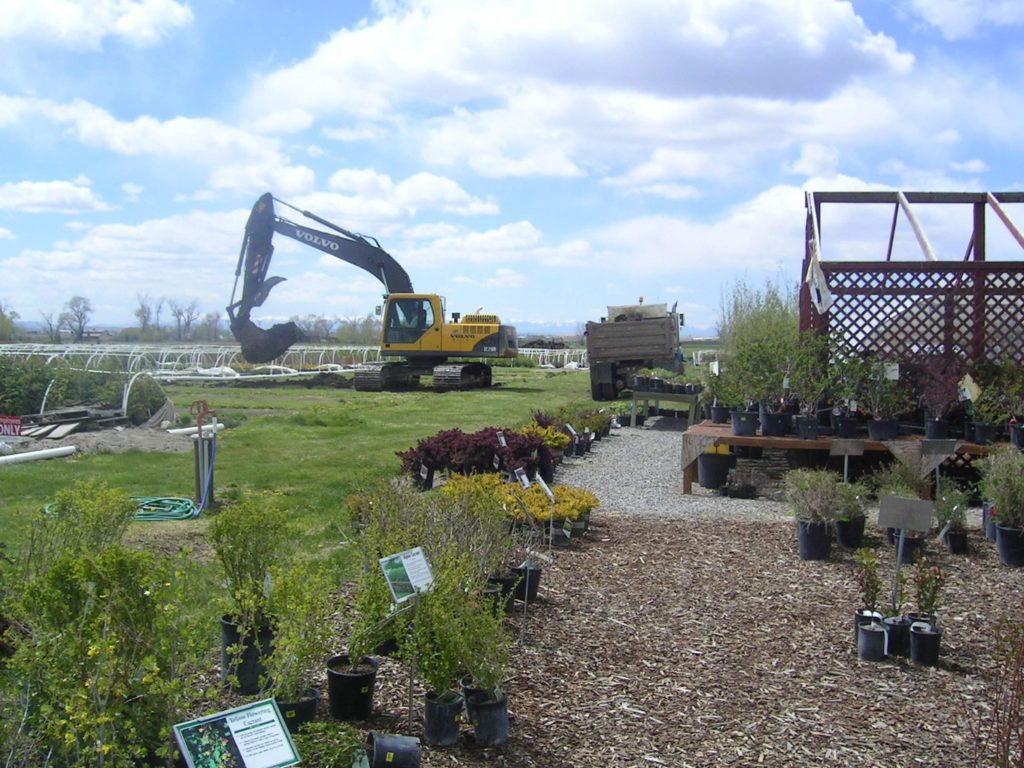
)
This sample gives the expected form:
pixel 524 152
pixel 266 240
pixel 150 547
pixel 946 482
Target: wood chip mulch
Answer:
pixel 680 643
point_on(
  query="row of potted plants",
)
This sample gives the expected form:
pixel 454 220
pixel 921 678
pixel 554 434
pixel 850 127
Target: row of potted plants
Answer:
pixel 808 374
pixel 536 447
pixel 886 629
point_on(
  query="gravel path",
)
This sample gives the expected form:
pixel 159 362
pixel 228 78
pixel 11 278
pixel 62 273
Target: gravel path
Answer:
pixel 636 472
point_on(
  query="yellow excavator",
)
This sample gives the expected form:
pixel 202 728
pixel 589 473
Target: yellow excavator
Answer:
pixel 415 338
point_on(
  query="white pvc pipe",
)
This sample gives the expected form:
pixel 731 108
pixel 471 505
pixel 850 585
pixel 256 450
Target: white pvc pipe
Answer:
pixel 193 430
pixel 48 453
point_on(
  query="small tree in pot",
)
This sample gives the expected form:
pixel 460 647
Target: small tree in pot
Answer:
pixel 1002 485
pixel 249 537
pixel 951 515
pixel 884 398
pixel 809 379
pixel 302 603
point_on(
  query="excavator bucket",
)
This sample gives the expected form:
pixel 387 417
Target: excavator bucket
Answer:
pixel 259 345
pixel 262 346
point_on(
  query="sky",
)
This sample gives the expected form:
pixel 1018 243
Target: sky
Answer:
pixel 538 160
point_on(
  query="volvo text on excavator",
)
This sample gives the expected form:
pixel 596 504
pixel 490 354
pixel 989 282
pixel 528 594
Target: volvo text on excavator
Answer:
pixel 415 338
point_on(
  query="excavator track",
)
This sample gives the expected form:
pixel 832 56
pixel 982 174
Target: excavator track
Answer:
pixel 457 376
pixel 376 377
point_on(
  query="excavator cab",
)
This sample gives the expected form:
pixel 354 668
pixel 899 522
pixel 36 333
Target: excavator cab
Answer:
pixel 407 320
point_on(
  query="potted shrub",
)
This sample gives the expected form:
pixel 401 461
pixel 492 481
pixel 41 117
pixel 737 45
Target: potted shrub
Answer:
pixel 849 514
pixel 902 478
pixel 435 639
pixel 999 401
pixel 925 632
pixel 249 538
pixel 814 497
pixel 1002 485
pixel 487 652
pixel 938 389
pixel 871 633
pixel 869 587
pixel 951 516
pixel 718 394
pixel 809 380
pixel 883 397
pixel 302 604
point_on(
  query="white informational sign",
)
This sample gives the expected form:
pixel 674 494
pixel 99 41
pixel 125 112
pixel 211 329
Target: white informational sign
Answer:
pixel 571 430
pixel 251 736
pixel 501 439
pixel 407 573
pixel 544 487
pixel 521 476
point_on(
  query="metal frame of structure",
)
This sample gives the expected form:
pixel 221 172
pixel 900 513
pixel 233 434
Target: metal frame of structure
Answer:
pixel 923 310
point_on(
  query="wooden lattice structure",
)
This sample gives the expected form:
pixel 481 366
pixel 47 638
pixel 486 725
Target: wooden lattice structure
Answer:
pixel 922 310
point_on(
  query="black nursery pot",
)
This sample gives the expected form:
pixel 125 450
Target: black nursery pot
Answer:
pixel 850 533
pixel 815 540
pixel 350 690
pixel 956 542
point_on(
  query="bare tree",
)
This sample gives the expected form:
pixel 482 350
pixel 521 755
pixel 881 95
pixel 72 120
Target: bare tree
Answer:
pixel 189 317
pixel 75 316
pixel 8 329
pixel 316 327
pixel 184 316
pixel 209 327
pixel 359 330
pixel 156 313
pixel 144 313
pixel 52 327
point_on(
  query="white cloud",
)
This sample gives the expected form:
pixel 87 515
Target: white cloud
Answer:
pixel 83 24
pixel 192 254
pixel 501 278
pixel 50 197
pixel 520 91
pixel 240 160
pixel 970 166
pixel 6 234
pixel 958 19
pixel 421 191
pixel 815 160
pixel 131 191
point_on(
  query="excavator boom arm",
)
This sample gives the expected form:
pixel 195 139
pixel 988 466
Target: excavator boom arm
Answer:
pixel 260 345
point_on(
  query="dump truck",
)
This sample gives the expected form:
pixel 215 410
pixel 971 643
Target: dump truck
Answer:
pixel 631 337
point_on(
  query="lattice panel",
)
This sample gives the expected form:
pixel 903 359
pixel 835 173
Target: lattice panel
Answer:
pixel 908 310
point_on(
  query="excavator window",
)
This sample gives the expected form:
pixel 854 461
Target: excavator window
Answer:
pixel 407 320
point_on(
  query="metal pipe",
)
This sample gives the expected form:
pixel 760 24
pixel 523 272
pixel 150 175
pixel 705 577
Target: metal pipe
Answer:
pixel 207 428
pixel 48 453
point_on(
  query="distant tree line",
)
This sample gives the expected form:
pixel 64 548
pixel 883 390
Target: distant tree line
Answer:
pixel 165 320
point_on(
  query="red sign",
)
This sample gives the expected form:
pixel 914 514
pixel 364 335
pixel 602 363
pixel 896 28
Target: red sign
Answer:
pixel 10 426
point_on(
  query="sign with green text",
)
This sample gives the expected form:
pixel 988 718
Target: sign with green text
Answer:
pixel 251 736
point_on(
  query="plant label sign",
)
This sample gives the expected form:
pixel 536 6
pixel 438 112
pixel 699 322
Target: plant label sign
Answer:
pixel 904 513
pixel 841 447
pixel 522 477
pixel 250 736
pixel 501 439
pixel 544 487
pixel 407 573
pixel 938 447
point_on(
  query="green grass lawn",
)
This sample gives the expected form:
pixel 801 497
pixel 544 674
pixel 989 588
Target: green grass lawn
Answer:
pixel 310 448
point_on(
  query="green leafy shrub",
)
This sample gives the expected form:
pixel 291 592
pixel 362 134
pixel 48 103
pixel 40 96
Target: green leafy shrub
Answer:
pixel 104 658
